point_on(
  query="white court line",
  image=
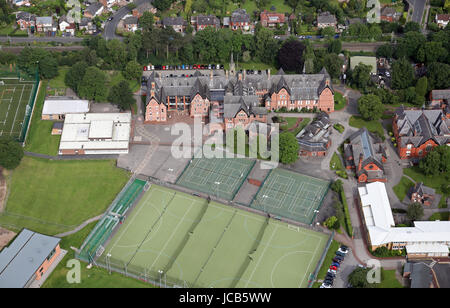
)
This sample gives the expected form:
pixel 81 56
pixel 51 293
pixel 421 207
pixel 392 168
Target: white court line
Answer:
pixel 262 255
pixel 17 109
pixel 173 233
pixel 309 264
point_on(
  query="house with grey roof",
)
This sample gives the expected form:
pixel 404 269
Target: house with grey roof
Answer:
pixel 422 194
pixel 440 98
pixel 93 10
pixel 326 19
pixel 366 154
pixel 314 139
pixel 87 25
pixel 389 14
pixel 177 23
pixel 45 24
pixel 27 259
pixel 240 20
pixel 130 24
pixel 418 131
pixel 25 20
pixel 200 22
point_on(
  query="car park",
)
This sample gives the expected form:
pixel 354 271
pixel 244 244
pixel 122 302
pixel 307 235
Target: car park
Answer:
pixel 341 254
pixel 343 249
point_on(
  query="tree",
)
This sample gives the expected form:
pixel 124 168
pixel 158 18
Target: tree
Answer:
pixel 438 76
pixel 332 223
pixel 333 64
pixel 358 278
pixel 93 85
pixel 132 70
pixel 288 148
pixel 32 58
pixel 360 76
pixel 422 86
pixel 370 107
pixel 290 56
pixel 335 46
pixel 411 26
pixel 337 186
pixel 437 161
pixel 385 51
pixel 414 211
pixel 121 95
pixel 328 32
pixel 75 75
pixel 11 153
pixel 402 74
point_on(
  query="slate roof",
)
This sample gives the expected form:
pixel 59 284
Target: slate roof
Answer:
pixel 174 21
pixel 250 105
pixel 25 16
pixel 131 20
pixel 316 135
pixel 240 15
pixel 418 126
pixel 441 94
pixel 365 146
pixel 326 18
pixel 388 11
pixel 209 20
pixel 44 20
pixel 93 8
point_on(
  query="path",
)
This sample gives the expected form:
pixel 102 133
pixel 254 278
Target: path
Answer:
pixel 3 190
pixel 84 224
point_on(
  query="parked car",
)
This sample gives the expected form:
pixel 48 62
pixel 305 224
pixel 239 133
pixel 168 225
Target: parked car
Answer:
pixel 343 249
pixel 329 274
pixel 332 271
pixel 325 286
pixel 145 68
pixel 341 254
pixel 110 18
pixel 332 267
pixel 338 259
pixel 336 264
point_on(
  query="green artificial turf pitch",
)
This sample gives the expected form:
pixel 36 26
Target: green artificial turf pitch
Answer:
pixel 14 98
pixel 291 195
pixel 183 240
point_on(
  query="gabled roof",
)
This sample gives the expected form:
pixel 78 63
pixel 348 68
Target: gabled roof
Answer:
pixel 174 21
pixel 326 18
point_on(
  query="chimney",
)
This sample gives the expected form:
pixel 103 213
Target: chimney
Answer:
pixel 152 91
pixel 226 74
pixel 240 76
pixel 268 74
pixel 211 74
pixel 245 73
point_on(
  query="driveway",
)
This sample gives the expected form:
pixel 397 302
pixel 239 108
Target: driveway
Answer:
pixel 418 7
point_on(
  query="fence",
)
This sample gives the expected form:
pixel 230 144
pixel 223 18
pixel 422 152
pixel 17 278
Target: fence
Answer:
pixel 313 276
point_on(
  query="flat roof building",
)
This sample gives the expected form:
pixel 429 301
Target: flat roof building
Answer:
pixel 424 239
pixel 95 133
pixel 56 108
pixel 27 258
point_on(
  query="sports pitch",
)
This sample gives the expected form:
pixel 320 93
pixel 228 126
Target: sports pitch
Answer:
pixel 179 239
pixel 291 195
pixel 219 177
pixel 14 97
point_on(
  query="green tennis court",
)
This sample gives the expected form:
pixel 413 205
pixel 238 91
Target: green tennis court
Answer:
pixel 291 195
pixel 181 240
pixel 220 177
pixel 14 97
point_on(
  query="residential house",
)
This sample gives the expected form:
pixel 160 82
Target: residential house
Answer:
pixel 29 257
pixel 421 194
pixel 26 21
pixel 87 25
pixel 141 9
pixel 442 20
pixel 177 23
pixel 439 98
pixel 240 20
pixel 424 239
pixel 95 9
pixel 366 155
pixel 314 139
pixel 272 19
pixel 206 95
pixel 326 19
pixel 21 2
pixel 130 24
pixel 201 22
pixel 45 24
pixel 389 14
pixel 66 27
pixel 418 131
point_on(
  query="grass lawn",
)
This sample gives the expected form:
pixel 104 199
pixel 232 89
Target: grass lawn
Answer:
pixel 339 127
pixel 336 164
pixel 443 216
pixel 250 6
pixel 373 126
pixel 302 125
pixel 388 280
pixel 339 101
pixel 116 76
pixel 39 139
pixel 90 278
pixel 435 182
pixel 290 123
pixel 327 261
pixel 55 196
pixel 58 81
pixel 402 188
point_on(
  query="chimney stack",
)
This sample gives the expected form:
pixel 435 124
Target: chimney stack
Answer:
pixel 268 74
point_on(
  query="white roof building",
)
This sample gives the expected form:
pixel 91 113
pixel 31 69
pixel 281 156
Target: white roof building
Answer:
pixel 426 237
pixel 60 106
pixel 95 133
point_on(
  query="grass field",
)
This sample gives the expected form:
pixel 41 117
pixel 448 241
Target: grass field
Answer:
pixel 201 244
pixel 220 177
pixel 55 196
pixel 14 97
pixel 39 139
pixel 372 126
pixel 402 188
pixel 291 195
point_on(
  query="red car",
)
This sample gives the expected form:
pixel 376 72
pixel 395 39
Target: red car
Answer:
pixel 145 68
pixel 334 268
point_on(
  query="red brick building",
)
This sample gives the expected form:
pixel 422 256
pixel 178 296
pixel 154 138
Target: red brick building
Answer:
pixel 419 131
pixel 240 20
pixel 246 97
pixel 201 22
pixel 272 19
pixel 314 139
pixel 366 155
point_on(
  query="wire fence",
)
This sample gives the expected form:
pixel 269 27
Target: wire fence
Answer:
pixel 313 277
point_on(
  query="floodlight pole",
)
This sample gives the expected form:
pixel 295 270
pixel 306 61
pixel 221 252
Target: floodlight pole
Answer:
pixel 108 262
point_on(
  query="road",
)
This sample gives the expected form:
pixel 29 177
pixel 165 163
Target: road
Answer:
pixel 45 39
pixel 418 7
pixel 110 26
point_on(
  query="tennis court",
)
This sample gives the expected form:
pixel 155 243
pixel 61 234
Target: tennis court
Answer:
pixel 291 195
pixel 219 177
pixel 14 97
pixel 180 240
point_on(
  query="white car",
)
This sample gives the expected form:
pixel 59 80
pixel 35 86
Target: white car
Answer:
pixel 325 286
pixel 332 271
pixel 343 250
pixel 388 74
